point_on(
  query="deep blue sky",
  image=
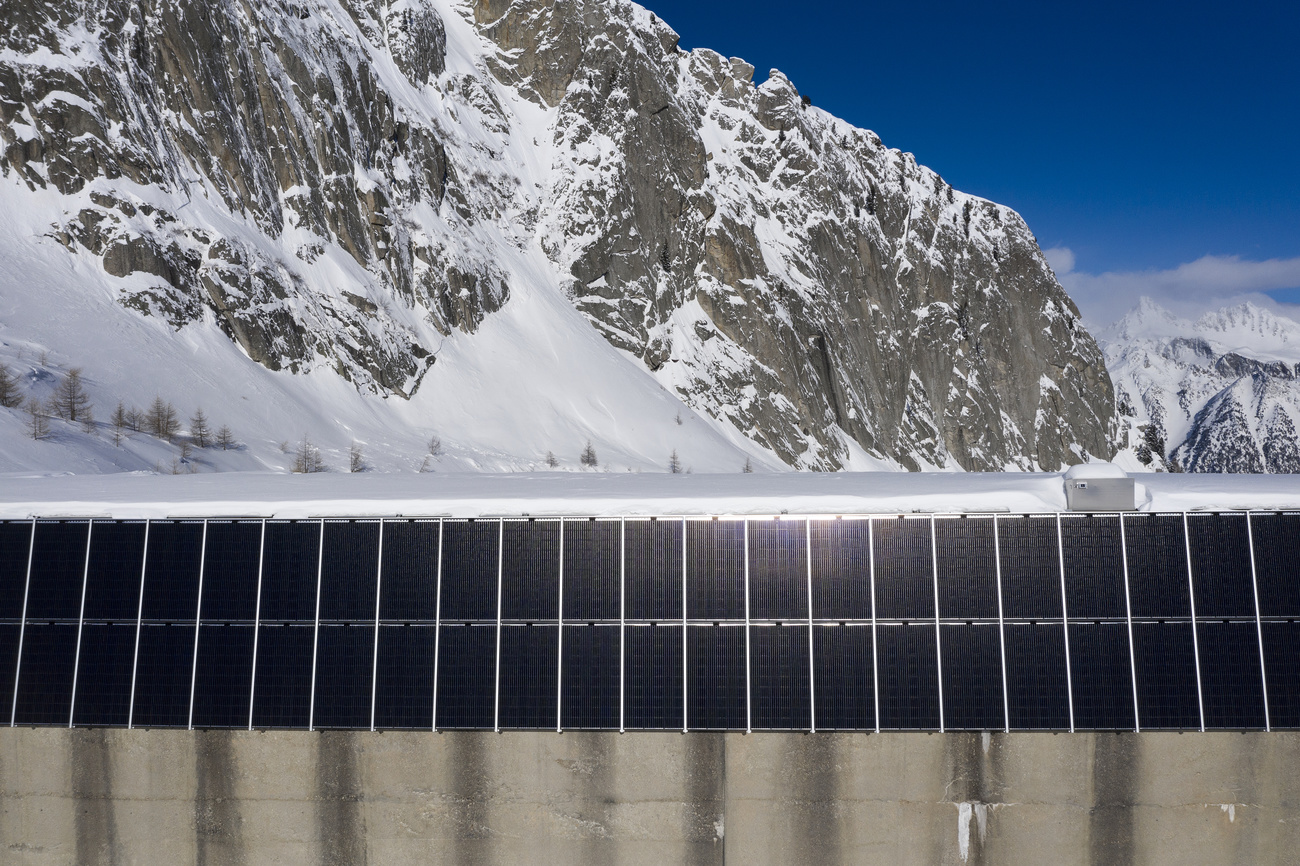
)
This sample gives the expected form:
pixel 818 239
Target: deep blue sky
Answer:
pixel 1139 135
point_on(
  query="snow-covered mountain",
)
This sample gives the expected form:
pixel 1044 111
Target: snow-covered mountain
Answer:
pixel 515 225
pixel 1221 394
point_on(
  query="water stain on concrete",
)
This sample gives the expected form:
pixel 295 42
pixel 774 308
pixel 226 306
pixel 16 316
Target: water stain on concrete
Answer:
pixel 469 796
pixel 1114 787
pixel 340 814
pixel 92 788
pixel 218 825
pixel 704 776
pixel 811 763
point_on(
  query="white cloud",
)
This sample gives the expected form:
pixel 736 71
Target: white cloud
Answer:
pixel 1190 289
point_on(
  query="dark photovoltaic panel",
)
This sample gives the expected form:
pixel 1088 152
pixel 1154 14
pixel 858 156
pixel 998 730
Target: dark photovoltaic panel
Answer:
pixel 1031 568
pixel 653 677
pixel 1277 563
pixel 967 568
pixel 45 677
pixel 223 675
pixel 1221 565
pixel 529 667
pixel 778 569
pixel 1094 568
pixel 15 542
pixel 466 676
pixel 410 572
pixel 289 571
pixel 653 563
pixel 58 571
pixel 841 569
pixel 1101 674
pixel 908 668
pixel 230 567
pixel 345 656
pixel 171 574
pixel 470 570
pixel 282 691
pixel 162 676
pixel 9 633
pixel 103 694
pixel 1282 671
pixel 592 570
pixel 716 661
pixel 590 677
pixel 715 569
pixel 972 677
pixel 349 574
pixel 530 571
pixel 1165 658
pixel 904 569
pixel 779 678
pixel 116 566
pixel 1038 696
pixel 842 678
pixel 1231 686
pixel 1157 567
pixel 404 681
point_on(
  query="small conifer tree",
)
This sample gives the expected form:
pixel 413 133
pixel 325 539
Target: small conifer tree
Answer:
pixel 356 458
pixel 161 419
pixel 225 438
pixel 306 457
pixel 10 397
pixel 674 463
pixel 551 460
pixel 200 432
pixel 120 423
pixel 38 419
pixel 70 400
pixel 748 467
pixel 588 456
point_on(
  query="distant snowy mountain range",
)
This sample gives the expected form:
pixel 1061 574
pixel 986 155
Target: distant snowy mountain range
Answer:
pixel 1221 394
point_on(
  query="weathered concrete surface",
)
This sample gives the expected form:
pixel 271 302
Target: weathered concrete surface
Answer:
pixel 91 797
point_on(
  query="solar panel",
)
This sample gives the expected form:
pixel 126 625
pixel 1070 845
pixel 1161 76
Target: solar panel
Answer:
pixel 592 570
pixel 1221 565
pixel 58 570
pixel 778 570
pixel 9 634
pixel 470 570
pixel 45 674
pixel 904 569
pixel 345 656
pixel 1038 697
pixel 113 576
pixel 1231 682
pixel 1031 568
pixel 842 678
pixel 1282 673
pixel 1166 676
pixel 653 677
pixel 1157 566
pixel 967 568
pixel 171 578
pixel 103 692
pixel 349 573
pixel 1277 563
pixel 466 677
pixel 909 677
pixel 590 682
pixel 653 562
pixel 223 676
pixel 404 677
pixel 972 677
pixel 779 678
pixel 529 670
pixel 282 690
pixel 289 571
pixel 410 572
pixel 231 562
pixel 530 581
pixel 716 661
pixel 841 569
pixel 15 542
pixel 1094 568
pixel 1101 675
pixel 715 569
pixel 162 676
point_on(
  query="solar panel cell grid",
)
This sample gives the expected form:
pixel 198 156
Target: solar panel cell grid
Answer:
pixel 49 655
pixel 590 683
pixel 1282 672
pixel 171 579
pixel 1031 568
pixel 404 683
pixel 282 690
pixel 1221 565
pixel 15 542
pixel 909 677
pixel 653 678
pixel 410 571
pixel 58 571
pixel 529 670
pixel 289 572
pixel 1231 681
pixel 9 633
pixel 972 677
pixel 231 561
pixel 842 678
pixel 1094 567
pixel 904 569
pixel 778 570
pixel 1277 563
pixel 530 582
pixel 344 665
pixel 466 677
pixel 715 569
pixel 841 569
pixel 967 568
pixel 470 569
pixel 223 676
pixel 716 661
pixel 653 569
pixel 103 693
pixel 1157 565
pixel 162 678
pixel 113 576
pixel 780 695
pixel 1101 674
pixel 1037 686
pixel 592 567
pixel 349 573
pixel 1166 676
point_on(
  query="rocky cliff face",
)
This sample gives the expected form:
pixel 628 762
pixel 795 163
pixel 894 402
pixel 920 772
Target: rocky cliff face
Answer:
pixel 1221 394
pixel 346 183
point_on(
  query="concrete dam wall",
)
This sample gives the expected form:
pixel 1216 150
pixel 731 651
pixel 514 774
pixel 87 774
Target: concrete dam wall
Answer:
pixel 95 796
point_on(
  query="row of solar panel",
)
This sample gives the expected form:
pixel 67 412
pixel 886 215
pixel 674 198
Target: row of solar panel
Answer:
pixel 65 584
